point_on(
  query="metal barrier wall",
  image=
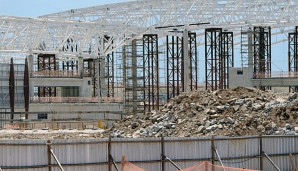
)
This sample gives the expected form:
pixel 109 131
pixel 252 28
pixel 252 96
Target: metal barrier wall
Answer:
pixel 94 154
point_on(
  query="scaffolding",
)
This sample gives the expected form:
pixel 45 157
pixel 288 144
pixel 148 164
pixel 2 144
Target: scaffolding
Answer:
pixel 133 77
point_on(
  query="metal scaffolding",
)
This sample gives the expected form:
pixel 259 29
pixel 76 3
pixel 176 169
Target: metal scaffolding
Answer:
pixel 133 77
pixel 293 56
pixel 262 53
pixel 175 66
pixel 151 71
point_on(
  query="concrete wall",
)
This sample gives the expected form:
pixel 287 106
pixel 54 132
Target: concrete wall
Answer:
pixel 237 79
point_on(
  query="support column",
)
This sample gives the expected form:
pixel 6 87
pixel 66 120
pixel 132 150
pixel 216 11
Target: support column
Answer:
pixel 30 70
pixel 227 58
pixel 151 71
pixel 262 54
pixel 174 66
pixel 212 57
pixel 186 62
pixel 12 89
pixel 110 75
pixel 293 56
pixel 193 58
pixel 26 89
pixel 80 66
pixel 103 78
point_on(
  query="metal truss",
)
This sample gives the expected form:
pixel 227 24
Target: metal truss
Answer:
pixel 293 56
pixel 193 57
pixel 124 22
pixel 262 53
pixel 213 65
pixel 151 72
pixel 110 69
pixel 227 58
pixel 175 66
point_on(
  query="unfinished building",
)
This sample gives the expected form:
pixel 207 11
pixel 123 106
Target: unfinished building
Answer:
pixel 103 62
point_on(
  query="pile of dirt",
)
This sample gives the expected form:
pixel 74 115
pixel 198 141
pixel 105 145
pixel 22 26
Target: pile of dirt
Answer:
pixel 233 112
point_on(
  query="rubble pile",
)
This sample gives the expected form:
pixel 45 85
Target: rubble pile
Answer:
pixel 234 112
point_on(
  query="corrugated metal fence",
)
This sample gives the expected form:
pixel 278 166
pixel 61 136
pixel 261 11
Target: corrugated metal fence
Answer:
pixel 93 154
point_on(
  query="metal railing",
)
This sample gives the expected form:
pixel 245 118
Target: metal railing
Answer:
pixel 76 99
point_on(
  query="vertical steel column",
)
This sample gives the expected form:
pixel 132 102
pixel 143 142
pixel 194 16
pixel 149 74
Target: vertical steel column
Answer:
pixel 12 89
pixel 262 53
pixel 193 55
pixel 227 58
pixel 110 75
pixel 26 88
pixel 213 58
pixel 175 66
pixel 151 71
pixel 293 56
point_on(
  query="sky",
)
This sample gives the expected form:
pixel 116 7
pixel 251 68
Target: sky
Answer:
pixel 35 8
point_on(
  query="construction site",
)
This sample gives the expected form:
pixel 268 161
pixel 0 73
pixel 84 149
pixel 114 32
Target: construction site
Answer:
pixel 151 85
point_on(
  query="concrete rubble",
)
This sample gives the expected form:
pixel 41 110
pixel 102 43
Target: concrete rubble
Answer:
pixel 234 112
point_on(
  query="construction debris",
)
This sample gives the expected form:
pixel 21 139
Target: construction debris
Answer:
pixel 234 112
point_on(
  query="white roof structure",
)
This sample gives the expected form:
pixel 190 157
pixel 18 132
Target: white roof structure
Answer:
pixel 87 28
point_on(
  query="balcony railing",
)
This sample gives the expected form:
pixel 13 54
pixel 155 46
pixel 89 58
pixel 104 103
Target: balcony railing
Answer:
pixel 76 100
pixel 55 74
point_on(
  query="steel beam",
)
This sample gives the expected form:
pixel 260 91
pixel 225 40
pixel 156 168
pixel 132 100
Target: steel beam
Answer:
pixel 213 63
pixel 151 71
pixel 293 56
pixel 262 53
pixel 227 58
pixel 175 66
pixel 12 89
pixel 26 88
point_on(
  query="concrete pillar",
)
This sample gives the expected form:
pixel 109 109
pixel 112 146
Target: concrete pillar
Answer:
pixel 80 66
pixel 186 62
pixel 103 78
pixel 134 75
pixel 250 53
pixel 31 69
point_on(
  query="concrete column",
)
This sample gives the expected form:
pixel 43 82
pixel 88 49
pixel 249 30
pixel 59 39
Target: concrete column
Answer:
pixel 97 76
pixel 186 62
pixel 80 66
pixel 31 69
pixel 250 53
pixel 103 79
pixel 134 75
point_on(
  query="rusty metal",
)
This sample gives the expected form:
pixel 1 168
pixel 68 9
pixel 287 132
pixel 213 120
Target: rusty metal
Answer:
pixel 193 55
pixel 227 58
pixel 262 53
pixel 110 75
pixel 293 55
pixel 213 58
pixel 26 89
pixel 12 89
pixel 175 66
pixel 151 71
